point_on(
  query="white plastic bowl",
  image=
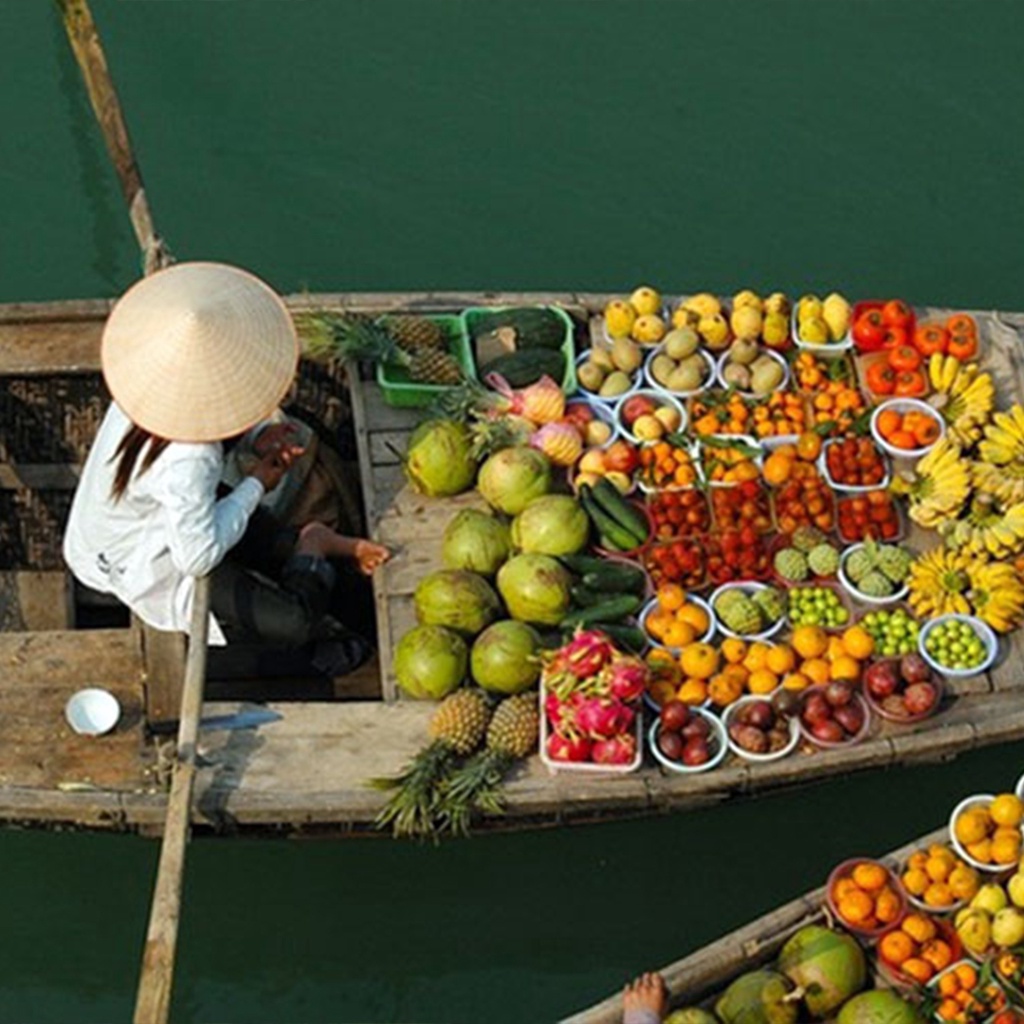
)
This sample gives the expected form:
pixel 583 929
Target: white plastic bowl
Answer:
pixel 660 398
pixel 851 588
pixel 92 712
pixel 825 349
pixel 749 587
pixel 902 405
pixel 723 362
pixel 978 800
pixel 709 376
pixel 603 412
pixel 717 730
pixel 747 755
pixel 690 599
pixel 982 629
pixel 592 396
pixel 842 489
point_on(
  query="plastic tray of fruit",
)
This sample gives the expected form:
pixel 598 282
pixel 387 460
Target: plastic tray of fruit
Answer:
pixel 854 465
pixel 702 748
pixel 830 349
pixel 757 383
pixel 806 502
pixel 903 690
pixel 915 950
pixel 669 465
pixel 830 718
pixel 984 1002
pixel 730 460
pixel 865 896
pixel 1009 971
pixel 888 315
pixel 746 504
pixel 811 372
pixel 676 514
pixel 733 556
pixel 758 732
pixel 679 561
pixel 401 391
pixel 874 514
pixel 779 417
pixel 551 754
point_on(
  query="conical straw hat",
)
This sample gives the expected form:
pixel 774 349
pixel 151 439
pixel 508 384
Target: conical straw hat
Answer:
pixel 199 351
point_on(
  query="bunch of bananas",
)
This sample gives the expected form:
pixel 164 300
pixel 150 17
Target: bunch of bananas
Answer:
pixel 1000 471
pixel 989 528
pixel 939 487
pixel 943 581
pixel 963 395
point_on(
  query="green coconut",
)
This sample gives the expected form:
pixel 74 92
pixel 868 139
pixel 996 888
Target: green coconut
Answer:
pixel 535 588
pixel 881 1006
pixel 828 966
pixel 430 662
pixel 760 997
pixel 477 541
pixel 511 478
pixel 504 657
pixel 460 600
pixel 554 524
pixel 439 460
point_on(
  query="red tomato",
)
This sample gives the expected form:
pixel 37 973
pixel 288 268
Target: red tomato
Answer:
pixel 896 313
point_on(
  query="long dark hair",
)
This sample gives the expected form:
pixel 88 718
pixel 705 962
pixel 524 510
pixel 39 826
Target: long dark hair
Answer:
pixel 132 444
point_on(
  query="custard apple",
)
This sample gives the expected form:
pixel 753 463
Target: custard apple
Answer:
pixel 859 564
pixel 791 565
pixel 772 603
pixel 893 562
pixel 805 538
pixel 823 560
pixel 737 612
pixel 874 584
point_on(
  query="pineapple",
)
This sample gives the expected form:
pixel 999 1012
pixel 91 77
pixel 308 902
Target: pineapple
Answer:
pixel 511 736
pixel 414 333
pixel 461 720
pixel 433 366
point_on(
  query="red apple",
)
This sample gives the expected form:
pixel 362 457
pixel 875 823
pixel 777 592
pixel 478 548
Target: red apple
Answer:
pixel 621 457
pixel 881 679
pixel 635 407
pixel 829 730
pixel 920 698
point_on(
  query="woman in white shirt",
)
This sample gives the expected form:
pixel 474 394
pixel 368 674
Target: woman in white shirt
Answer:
pixel 196 355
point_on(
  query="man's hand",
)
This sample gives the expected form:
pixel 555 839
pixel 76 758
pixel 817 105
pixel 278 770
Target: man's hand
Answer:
pixel 370 556
pixel 273 437
pixel 273 465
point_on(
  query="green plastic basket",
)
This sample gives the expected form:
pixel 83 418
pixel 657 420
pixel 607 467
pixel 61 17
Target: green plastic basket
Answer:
pixel 568 350
pixel 402 392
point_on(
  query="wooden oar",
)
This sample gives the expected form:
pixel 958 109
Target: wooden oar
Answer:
pixel 88 50
pixel 153 1002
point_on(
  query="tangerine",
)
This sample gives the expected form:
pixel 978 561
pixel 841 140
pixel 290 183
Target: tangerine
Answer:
pixel 915 881
pixel 845 667
pixel 734 650
pixel 869 876
pixel 918 969
pixel 938 953
pixel 808 445
pixel 1007 809
pixel 856 907
pixel 967 975
pixel 917 859
pixel 920 927
pixel 981 851
pixel 896 946
pixel 777 469
pixel 889 421
pixel 810 641
pixel 858 643
pixel 757 657
pixel 1006 848
pixel 949 1009
pixel 971 826
pixel 938 868
pixel 887 906
pixel 671 597
pixel 939 894
pixel 949 985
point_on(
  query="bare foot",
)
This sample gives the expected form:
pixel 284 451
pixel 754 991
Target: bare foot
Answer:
pixel 645 996
pixel 320 540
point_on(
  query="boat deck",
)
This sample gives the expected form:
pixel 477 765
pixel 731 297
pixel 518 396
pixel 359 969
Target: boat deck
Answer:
pixel 309 770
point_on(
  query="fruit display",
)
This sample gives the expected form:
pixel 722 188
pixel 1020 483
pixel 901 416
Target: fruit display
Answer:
pixel 903 689
pixel 667 466
pixel 833 715
pixel 817 606
pixel 684 513
pixel 649 416
pixel 865 895
pixel 986 831
pixel 761 729
pixel 728 461
pixel 822 323
pixel 679 561
pixel 855 464
pixel 938 879
pixel 746 505
pixel 679 365
pixel 955 643
pixel 964 997
pixel 918 948
pixel 748 611
pixel 747 369
pixel 804 554
pixel 590 694
pixel 894 632
pixel 874 573
pixel 870 515
pixel 687 736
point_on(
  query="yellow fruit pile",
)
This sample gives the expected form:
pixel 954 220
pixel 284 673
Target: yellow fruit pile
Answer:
pixel 991 834
pixel 675 621
pixel 638 317
pixel 939 878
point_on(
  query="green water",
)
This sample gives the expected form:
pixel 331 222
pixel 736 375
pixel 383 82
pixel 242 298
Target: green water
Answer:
pixel 874 147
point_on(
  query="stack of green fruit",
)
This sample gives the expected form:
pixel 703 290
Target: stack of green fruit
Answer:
pixel 620 526
pixel 817 606
pixel 894 632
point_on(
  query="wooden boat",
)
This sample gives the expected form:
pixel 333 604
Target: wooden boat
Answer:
pixel 308 769
pixel 698 979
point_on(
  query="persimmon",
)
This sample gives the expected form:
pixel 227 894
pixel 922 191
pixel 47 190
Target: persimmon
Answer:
pixel 909 383
pixel 902 439
pixel 777 469
pixel 927 431
pixel 904 357
pixel 931 338
pixel 881 379
pixel 961 323
pixel 808 445
pixel 889 421
pixel 962 346
pixel 896 313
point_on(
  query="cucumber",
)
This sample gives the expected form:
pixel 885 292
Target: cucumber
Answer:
pixel 527 366
pixel 584 597
pixel 611 610
pixel 614 537
pixel 626 515
pixel 615 576
pixel 625 635
pixel 582 564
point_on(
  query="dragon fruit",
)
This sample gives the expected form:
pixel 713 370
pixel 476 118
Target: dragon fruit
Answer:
pixel 540 403
pixel 561 713
pixel 618 749
pixel 603 717
pixel 568 747
pixel 627 678
pixel 560 442
pixel 587 653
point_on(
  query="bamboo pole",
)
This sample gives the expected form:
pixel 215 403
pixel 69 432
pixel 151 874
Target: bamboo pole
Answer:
pixel 153 1002
pixel 88 50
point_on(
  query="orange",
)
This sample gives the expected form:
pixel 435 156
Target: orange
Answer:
pixel 963 882
pixel 917 859
pixel 896 947
pixel 777 469
pixel 845 667
pixel 835 649
pixel 887 906
pixel 699 661
pixel 810 641
pixel 658 623
pixel 817 670
pixel 724 690
pixel 949 1009
pixel 938 894
pixel 781 659
pixel 693 691
pixel 918 969
pixel 695 616
pixel 795 681
pixel 856 906
pixel 869 876
pixel 734 651
pixel 1007 810
pixel 757 657
pixel 919 927
pixel 762 681
pixel 972 825
pixel 915 881
pixel 967 975
pixel 671 596
pixel 981 851
pixel 1005 848
pixel 843 888
pixel 937 868
pixel 858 643
pixel 949 985
pixel 943 852
pixel 938 953
pixel 679 635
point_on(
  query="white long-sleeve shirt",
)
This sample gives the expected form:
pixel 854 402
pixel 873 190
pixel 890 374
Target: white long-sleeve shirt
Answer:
pixel 167 529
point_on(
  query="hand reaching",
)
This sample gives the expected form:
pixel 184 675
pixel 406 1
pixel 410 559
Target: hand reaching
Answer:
pixel 370 556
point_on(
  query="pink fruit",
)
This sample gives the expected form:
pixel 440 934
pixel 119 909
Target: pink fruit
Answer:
pixel 627 678
pixel 816 709
pixel 587 653
pixel 829 730
pixel 850 717
pixel 619 749
pixel 920 698
pixel 696 728
pixel 674 715
pixel 881 679
pixel 561 714
pixel 603 717
pixel 568 748
pixel 670 744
